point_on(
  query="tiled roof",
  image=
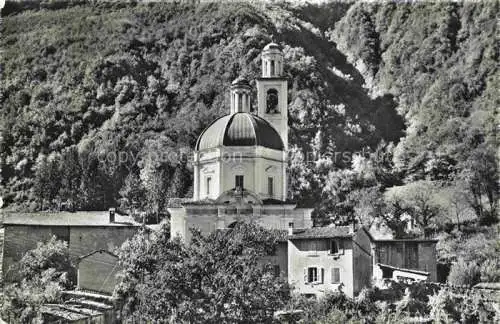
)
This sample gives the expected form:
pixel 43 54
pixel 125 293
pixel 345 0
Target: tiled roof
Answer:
pixel 240 129
pixel 177 202
pixel 416 240
pixel 80 218
pixel 322 232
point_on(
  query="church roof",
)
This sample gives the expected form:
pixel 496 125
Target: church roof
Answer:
pixel 240 129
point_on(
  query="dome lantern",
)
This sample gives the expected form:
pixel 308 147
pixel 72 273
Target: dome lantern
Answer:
pixel 240 95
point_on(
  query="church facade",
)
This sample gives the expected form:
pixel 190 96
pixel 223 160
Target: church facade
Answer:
pixel 240 161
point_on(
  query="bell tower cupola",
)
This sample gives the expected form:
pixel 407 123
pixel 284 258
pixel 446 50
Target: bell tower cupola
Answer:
pixel 240 95
pixel 272 61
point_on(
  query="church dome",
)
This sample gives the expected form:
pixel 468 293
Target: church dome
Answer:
pixel 240 129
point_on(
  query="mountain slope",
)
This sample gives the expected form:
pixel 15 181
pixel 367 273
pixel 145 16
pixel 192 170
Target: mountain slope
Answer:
pixel 100 100
pixel 440 61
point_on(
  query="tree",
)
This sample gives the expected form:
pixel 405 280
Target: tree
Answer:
pixel 132 191
pixel 47 180
pixel 216 278
pixel 480 173
pixel 41 184
pixel 44 273
pixel 419 199
pixel 70 177
pixel 153 181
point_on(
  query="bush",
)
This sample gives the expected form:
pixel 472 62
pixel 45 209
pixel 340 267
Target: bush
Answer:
pixel 336 307
pixel 338 316
pixel 469 307
pixel 45 273
pixel 464 273
pixel 490 270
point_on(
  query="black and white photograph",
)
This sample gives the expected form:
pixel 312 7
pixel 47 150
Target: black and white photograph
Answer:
pixel 250 161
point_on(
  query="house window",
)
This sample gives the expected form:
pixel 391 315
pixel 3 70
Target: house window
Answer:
pixel 270 186
pixel 335 275
pixel 239 181
pixel 276 269
pixel 272 67
pixel 209 181
pixel 314 275
pixel 336 247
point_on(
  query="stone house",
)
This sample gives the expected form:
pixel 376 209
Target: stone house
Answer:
pixel 92 237
pixel 322 259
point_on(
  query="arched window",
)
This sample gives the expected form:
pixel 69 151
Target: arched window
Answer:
pixel 272 101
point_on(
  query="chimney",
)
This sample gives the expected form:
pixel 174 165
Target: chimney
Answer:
pixel 354 226
pixel 112 215
pixel 290 228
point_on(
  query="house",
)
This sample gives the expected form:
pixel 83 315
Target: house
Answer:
pixel 92 237
pixel 322 259
pixel 405 259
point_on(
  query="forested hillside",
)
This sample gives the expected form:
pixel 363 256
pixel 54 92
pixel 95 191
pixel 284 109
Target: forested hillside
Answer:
pixel 101 103
pixel 441 63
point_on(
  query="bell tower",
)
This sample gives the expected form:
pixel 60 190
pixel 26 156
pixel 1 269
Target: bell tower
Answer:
pixel 272 91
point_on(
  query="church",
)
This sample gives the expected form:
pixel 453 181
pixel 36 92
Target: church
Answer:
pixel 240 161
pixel 240 175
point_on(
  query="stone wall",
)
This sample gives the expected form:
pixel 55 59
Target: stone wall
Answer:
pixel 18 239
pixel 81 240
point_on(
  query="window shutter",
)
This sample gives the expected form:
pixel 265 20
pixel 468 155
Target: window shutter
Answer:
pixel 322 275
pixel 335 275
pixel 305 274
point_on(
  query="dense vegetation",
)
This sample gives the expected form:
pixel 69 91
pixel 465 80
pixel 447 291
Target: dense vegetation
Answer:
pixel 223 278
pixel 102 103
pixel 42 275
pixel 93 95
pixel 217 278
pixel 440 60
